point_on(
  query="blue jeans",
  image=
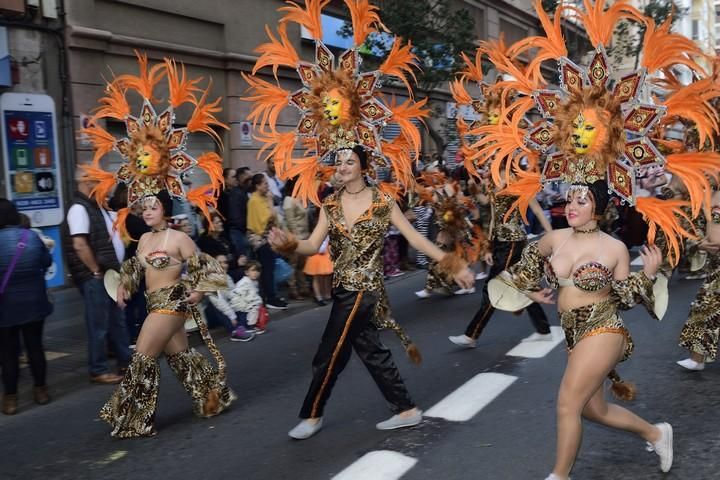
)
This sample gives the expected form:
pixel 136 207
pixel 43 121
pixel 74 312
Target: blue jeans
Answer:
pixel 240 242
pixel 103 320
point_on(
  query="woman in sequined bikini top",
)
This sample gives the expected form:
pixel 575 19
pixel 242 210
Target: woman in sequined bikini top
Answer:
pixel 159 259
pixel 590 277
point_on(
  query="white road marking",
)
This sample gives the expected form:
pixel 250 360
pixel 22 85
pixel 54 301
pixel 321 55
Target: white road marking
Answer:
pixel 538 349
pixel 465 402
pixel 378 465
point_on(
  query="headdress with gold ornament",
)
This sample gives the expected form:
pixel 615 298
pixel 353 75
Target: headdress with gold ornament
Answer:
pixel 154 149
pixel 621 111
pixel 340 105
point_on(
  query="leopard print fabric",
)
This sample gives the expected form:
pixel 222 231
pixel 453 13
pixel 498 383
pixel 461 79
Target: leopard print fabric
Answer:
pixel 130 411
pixel 357 255
pixel 510 230
pixel 701 330
pixel 594 319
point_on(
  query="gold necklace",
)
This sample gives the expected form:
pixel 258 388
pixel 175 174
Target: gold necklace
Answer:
pixel 595 229
pixel 355 193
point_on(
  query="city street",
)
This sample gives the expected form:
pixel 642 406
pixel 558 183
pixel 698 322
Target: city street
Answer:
pixel 511 438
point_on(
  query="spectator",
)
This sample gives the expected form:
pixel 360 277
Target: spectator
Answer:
pixel 92 246
pixel 183 207
pixel 321 268
pixel 296 220
pixel 423 216
pixel 24 305
pixel 214 241
pixel 221 299
pixel 274 184
pixel 236 214
pixel 230 178
pixel 391 253
pixel 246 301
pixel 260 219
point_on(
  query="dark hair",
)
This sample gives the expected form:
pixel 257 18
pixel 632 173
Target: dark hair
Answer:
pixel 253 265
pixel 241 171
pixel 257 179
pixel 119 198
pixel 289 186
pixel 206 223
pixel 228 170
pixel 362 155
pixel 9 215
pixel 164 198
pixel 599 190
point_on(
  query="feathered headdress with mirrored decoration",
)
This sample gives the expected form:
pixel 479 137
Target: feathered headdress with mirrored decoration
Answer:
pixel 339 104
pixel 601 125
pixel 154 150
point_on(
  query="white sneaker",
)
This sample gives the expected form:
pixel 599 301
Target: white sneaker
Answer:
pixel 552 476
pixel 691 364
pixel 305 429
pixel 539 337
pixel 463 341
pixel 422 294
pixel 465 291
pixel 664 446
pixel 397 421
pixel 481 276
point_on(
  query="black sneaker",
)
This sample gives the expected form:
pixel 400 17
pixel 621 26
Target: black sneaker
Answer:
pixel 276 304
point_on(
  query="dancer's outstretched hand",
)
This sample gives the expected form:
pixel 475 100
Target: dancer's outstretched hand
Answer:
pixel 277 237
pixel 652 258
pixel 545 296
pixel 466 278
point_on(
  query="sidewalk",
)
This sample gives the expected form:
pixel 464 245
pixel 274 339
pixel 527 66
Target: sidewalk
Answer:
pixel 66 346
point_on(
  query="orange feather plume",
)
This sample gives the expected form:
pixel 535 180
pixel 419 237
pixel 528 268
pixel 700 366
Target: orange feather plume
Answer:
pixel 145 82
pixel 666 215
pixel 398 152
pixel 203 118
pixel 281 146
pixel 181 88
pixel 106 182
pixel 114 104
pixel 276 52
pixel 460 93
pixel 308 17
pixel 203 197
pixel 365 19
pixel 473 70
pixel 403 115
pixel 694 168
pixel 693 103
pixel 391 189
pixel 550 47
pixel 306 184
pixel 269 101
pixel 600 23
pixel 467 152
pixel 120 223
pixel 400 62
pixel 103 142
pixel 525 186
pixel 212 164
pixel 662 48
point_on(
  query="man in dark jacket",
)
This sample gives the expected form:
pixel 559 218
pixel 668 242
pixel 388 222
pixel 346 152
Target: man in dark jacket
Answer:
pixel 236 212
pixel 91 248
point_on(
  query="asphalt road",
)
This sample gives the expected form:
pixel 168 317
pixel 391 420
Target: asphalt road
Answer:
pixel 512 438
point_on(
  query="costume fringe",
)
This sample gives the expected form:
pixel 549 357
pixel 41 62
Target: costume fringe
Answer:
pixel 620 389
pixel 413 352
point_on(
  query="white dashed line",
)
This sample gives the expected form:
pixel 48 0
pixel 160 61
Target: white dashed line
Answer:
pixel 540 348
pixel 378 465
pixel 465 402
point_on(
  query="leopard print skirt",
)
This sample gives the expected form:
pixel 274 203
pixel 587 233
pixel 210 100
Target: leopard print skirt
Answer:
pixel 700 333
pixel 594 319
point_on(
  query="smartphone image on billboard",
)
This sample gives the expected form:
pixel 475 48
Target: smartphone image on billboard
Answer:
pixel 30 146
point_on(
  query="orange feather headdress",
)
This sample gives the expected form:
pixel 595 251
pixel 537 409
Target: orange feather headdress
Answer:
pixel 153 151
pixel 340 105
pixel 629 111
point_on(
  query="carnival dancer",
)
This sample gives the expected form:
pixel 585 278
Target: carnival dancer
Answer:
pixel 343 115
pixel 507 232
pixel 595 136
pixel 155 161
pixel 356 218
pixel 700 332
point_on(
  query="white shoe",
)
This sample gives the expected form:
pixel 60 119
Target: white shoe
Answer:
pixel 422 294
pixel 552 476
pixel 481 276
pixel 397 421
pixel 465 291
pixel 691 364
pixel 463 341
pixel 539 337
pixel 305 429
pixel 664 446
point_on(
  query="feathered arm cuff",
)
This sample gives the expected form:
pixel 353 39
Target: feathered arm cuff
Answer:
pixel 637 288
pixel 131 275
pixel 205 274
pixel 288 247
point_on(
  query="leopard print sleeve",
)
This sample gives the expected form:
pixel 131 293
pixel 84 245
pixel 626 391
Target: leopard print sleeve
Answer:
pixel 131 274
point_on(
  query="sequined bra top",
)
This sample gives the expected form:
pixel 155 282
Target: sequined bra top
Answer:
pixel 159 259
pixel 591 276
